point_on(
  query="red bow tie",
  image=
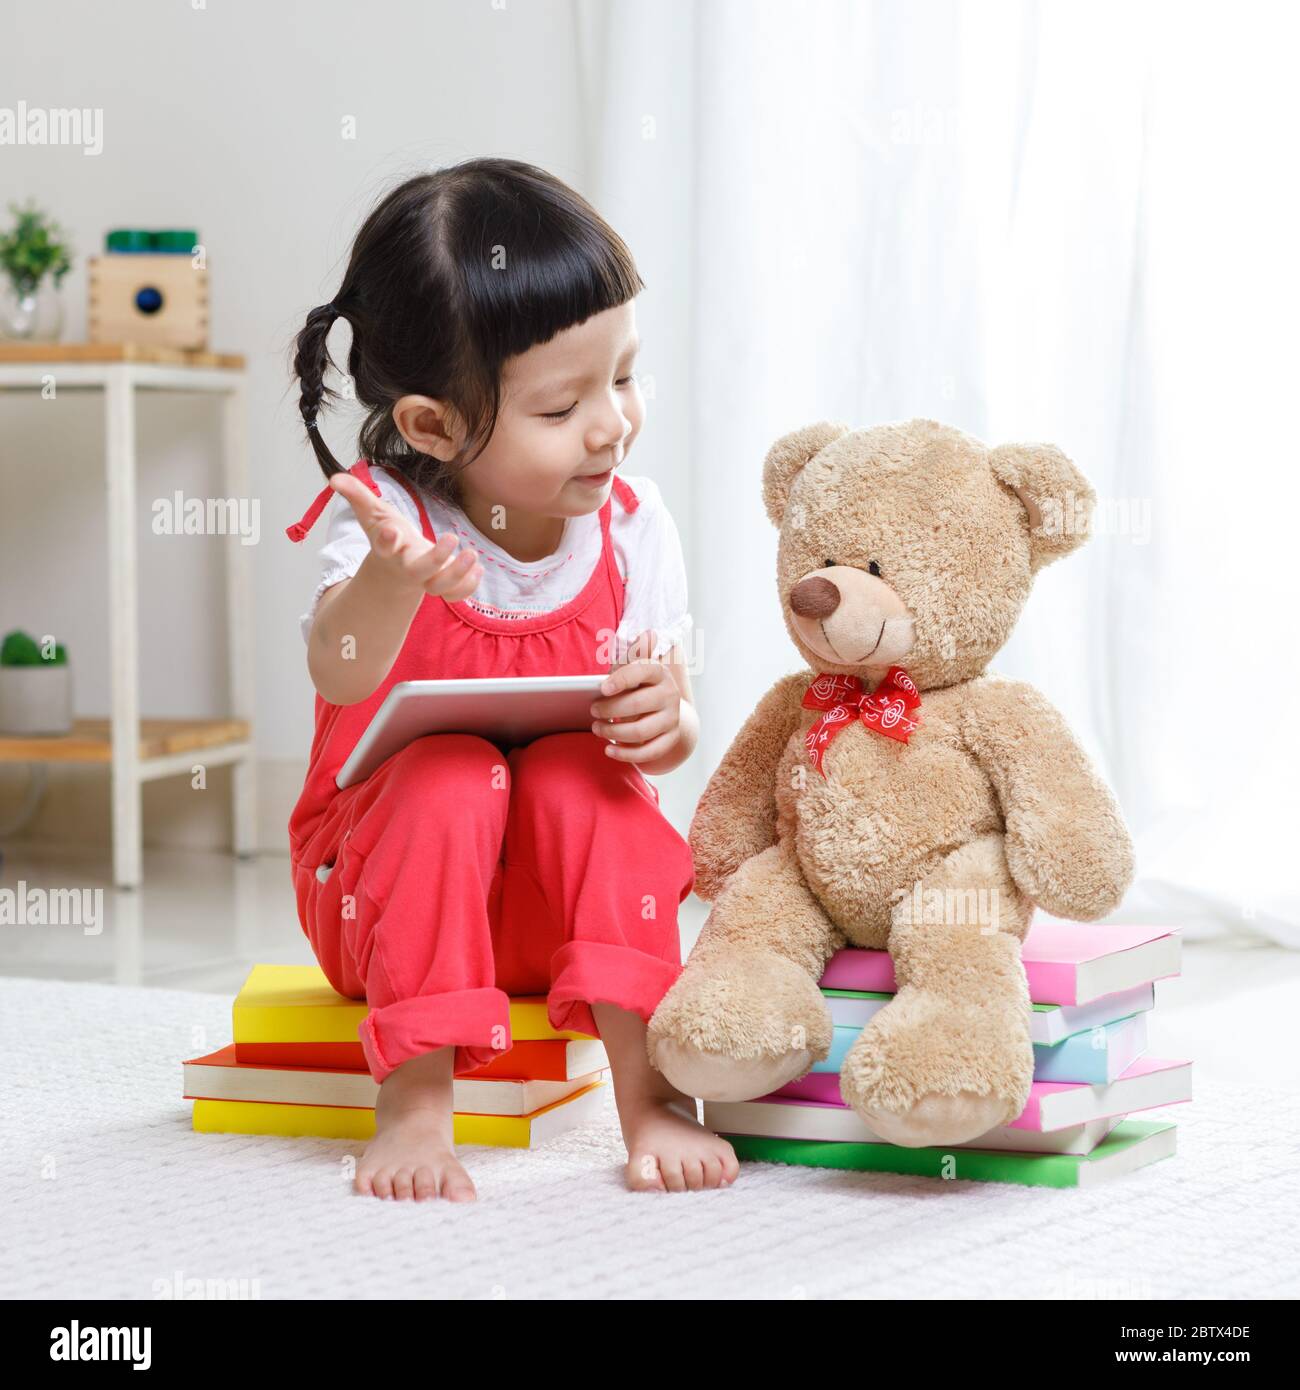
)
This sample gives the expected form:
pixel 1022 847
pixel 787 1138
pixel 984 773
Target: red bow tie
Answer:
pixel 887 710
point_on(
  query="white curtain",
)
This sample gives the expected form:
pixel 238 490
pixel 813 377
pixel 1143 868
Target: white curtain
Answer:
pixel 1054 221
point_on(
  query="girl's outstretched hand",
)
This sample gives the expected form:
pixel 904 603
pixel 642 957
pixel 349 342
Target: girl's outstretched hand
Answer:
pixel 404 555
pixel 641 707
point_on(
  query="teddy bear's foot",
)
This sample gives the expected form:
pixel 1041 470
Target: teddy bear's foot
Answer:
pixel 738 1024
pixel 937 1120
pixel 714 1076
pixel 929 1070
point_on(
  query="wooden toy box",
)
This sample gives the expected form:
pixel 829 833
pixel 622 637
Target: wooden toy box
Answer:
pixel 156 300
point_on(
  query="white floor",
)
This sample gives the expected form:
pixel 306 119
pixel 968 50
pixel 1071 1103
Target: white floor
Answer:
pixel 109 1191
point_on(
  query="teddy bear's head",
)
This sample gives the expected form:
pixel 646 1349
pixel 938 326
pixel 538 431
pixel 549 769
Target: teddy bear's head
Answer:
pixel 914 544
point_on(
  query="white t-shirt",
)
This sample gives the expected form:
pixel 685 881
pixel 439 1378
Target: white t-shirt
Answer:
pixel 647 552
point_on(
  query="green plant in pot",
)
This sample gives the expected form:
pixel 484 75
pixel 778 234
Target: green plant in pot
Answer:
pixel 35 686
pixel 34 258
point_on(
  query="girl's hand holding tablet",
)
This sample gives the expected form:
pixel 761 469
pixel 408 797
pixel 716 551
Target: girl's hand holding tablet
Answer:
pixel 642 709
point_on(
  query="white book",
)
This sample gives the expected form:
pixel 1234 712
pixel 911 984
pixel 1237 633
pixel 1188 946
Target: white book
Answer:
pixel 784 1118
pixel 1053 1023
pixel 219 1077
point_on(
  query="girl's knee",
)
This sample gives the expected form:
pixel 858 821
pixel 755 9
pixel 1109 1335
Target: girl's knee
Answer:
pixel 571 773
pixel 457 763
pixel 563 755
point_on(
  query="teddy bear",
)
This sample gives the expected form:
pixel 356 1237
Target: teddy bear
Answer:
pixel 882 795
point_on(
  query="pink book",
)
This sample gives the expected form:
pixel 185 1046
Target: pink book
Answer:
pixel 1149 1082
pixel 1065 962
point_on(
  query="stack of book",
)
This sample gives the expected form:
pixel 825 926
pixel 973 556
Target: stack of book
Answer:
pixel 1092 988
pixel 296 1068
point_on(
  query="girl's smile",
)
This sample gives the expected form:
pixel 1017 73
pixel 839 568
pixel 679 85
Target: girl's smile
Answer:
pixel 596 480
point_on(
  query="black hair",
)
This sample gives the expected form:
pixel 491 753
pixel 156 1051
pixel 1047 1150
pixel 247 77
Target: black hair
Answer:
pixel 452 273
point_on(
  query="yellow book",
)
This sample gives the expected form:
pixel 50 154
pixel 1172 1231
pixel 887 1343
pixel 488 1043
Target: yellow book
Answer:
pixel 295 1003
pixel 339 1122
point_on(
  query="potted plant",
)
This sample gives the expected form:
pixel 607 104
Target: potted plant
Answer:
pixel 35 686
pixel 34 258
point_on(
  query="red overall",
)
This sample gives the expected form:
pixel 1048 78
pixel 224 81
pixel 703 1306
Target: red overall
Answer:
pixel 456 876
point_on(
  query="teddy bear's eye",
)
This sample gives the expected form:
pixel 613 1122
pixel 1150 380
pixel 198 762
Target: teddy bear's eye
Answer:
pixel 828 564
pixel 874 568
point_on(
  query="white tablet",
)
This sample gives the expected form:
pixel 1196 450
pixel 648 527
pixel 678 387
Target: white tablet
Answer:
pixel 507 711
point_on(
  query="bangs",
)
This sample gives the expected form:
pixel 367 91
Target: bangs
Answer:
pixel 531 272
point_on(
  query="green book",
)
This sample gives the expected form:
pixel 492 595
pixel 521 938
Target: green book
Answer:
pixel 1132 1144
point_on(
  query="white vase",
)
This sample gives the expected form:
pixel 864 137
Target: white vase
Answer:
pixel 36 700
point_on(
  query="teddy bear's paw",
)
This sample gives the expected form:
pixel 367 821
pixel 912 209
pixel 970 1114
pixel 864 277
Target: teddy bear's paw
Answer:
pixel 1078 874
pixel 938 1120
pixel 715 1076
pixel 738 1025
pixel 928 1071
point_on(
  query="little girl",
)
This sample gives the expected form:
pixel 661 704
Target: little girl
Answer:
pixel 486 533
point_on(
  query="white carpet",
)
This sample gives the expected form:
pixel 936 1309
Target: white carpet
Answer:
pixel 107 1190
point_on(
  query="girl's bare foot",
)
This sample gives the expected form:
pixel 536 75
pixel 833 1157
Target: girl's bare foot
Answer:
pixel 668 1150
pixel 411 1155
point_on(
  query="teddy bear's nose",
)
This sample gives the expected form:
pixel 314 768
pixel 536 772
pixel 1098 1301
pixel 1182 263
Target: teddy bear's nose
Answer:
pixel 814 598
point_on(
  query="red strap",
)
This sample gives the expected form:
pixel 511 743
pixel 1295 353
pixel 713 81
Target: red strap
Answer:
pixel 425 528
pixel 299 529
pixel 629 500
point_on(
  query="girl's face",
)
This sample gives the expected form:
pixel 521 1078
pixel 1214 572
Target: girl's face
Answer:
pixel 570 409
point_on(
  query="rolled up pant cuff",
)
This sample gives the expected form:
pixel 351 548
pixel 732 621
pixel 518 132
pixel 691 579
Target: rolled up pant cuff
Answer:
pixel 475 1021
pixel 592 972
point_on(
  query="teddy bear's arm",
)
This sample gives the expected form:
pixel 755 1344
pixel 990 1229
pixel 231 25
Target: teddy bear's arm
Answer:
pixel 736 816
pixel 1067 846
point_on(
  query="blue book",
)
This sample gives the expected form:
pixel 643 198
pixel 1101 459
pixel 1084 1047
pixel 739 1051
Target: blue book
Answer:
pixel 1048 1023
pixel 1096 1056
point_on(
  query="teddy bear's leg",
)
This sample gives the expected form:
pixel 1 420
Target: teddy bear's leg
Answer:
pixel 950 1057
pixel 745 1016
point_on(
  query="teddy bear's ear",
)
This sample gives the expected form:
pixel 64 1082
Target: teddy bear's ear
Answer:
pixel 1057 498
pixel 787 456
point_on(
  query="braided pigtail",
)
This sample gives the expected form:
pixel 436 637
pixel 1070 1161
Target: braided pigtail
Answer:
pixel 310 363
